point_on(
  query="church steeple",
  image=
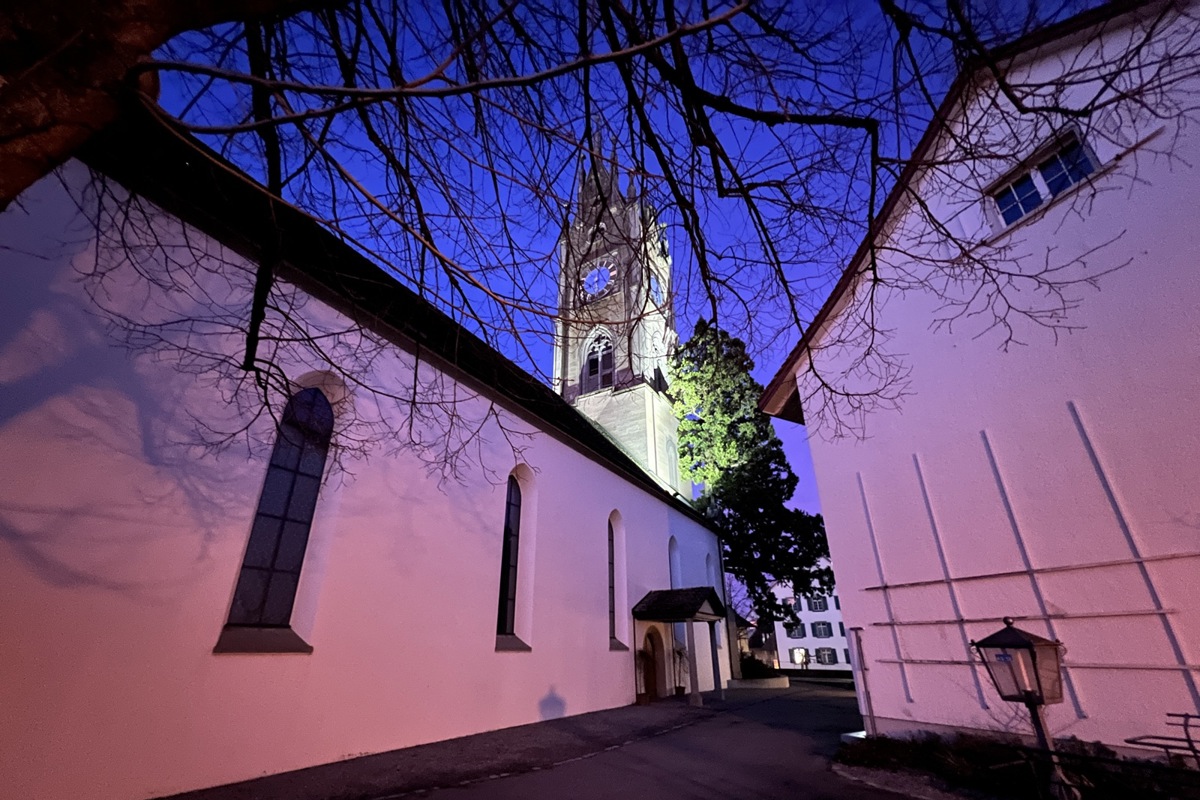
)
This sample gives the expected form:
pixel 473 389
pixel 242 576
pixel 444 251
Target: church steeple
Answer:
pixel 616 329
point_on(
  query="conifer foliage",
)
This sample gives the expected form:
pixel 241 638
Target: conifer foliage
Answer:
pixel 729 446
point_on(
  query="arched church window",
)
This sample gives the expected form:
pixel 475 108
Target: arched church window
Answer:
pixel 266 588
pixel 598 365
pixel 612 583
pixel 506 618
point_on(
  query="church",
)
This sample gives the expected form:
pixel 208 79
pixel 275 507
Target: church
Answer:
pixel 212 576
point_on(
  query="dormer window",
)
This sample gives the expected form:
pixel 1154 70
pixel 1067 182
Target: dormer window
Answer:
pixel 1068 164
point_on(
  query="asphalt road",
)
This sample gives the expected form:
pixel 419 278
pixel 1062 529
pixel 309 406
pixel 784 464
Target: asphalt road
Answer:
pixel 757 745
pixel 774 748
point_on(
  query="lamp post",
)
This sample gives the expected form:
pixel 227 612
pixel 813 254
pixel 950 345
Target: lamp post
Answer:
pixel 1026 668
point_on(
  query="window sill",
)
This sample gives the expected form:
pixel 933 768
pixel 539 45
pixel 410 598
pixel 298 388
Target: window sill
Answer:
pixel 510 643
pixel 239 639
pixel 616 646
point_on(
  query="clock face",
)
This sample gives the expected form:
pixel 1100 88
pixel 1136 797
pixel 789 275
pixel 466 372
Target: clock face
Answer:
pixel 656 292
pixel 597 279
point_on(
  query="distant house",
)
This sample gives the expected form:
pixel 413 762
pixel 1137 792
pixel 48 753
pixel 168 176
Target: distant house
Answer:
pixel 1055 480
pixel 818 641
pixel 180 614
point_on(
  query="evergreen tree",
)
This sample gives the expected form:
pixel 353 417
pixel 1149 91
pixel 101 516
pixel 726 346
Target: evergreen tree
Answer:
pixel 729 446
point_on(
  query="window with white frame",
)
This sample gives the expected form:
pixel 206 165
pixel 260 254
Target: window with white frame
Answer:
pixel 818 603
pixel 822 630
pixel 798 655
pixel 826 655
pixel 1068 164
pixel 794 630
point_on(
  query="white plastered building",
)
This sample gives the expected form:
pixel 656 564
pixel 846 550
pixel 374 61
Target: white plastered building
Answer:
pixel 180 614
pixel 1053 481
pixel 817 643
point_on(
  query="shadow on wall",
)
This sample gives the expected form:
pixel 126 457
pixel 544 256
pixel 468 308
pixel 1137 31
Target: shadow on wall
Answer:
pixel 105 479
pixel 552 706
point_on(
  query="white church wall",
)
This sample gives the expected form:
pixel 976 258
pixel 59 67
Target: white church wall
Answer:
pixel 1046 470
pixel 122 544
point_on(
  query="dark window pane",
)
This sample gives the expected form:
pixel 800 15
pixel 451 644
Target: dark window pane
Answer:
pixel 275 553
pixel 1027 194
pixel 312 462
pixel 304 498
pixel 606 368
pixel 309 410
pixel 1066 168
pixel 276 490
pixel 1078 165
pixel 282 593
pixel 287 448
pixel 506 613
pixel 1006 201
pixel 612 587
pixel 1055 176
pixel 291 547
pixel 248 597
pixel 260 552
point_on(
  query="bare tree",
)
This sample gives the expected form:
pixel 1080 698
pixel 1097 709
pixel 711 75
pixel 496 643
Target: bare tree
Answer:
pixel 448 142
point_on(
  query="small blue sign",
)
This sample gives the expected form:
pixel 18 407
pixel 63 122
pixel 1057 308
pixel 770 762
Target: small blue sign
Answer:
pixel 1004 658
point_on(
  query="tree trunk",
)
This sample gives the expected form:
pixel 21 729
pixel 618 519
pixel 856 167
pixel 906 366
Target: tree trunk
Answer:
pixel 63 65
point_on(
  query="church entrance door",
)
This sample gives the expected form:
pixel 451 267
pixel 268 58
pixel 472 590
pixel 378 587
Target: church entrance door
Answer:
pixel 651 663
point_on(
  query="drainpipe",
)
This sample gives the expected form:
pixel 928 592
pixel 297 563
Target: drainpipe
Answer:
pixel 868 709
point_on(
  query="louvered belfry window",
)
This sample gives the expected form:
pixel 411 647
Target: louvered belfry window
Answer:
pixel 598 366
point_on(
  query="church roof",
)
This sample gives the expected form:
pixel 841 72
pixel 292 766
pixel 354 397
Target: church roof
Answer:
pixel 188 180
pixel 699 603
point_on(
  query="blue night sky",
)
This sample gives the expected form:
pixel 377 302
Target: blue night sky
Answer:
pixel 499 226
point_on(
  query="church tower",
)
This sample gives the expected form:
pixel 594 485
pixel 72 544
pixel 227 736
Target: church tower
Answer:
pixel 616 331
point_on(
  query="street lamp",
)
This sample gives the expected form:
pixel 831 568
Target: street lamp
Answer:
pixel 1023 665
pixel 1026 668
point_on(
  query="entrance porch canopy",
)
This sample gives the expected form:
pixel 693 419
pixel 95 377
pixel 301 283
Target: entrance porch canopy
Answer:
pixel 695 604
